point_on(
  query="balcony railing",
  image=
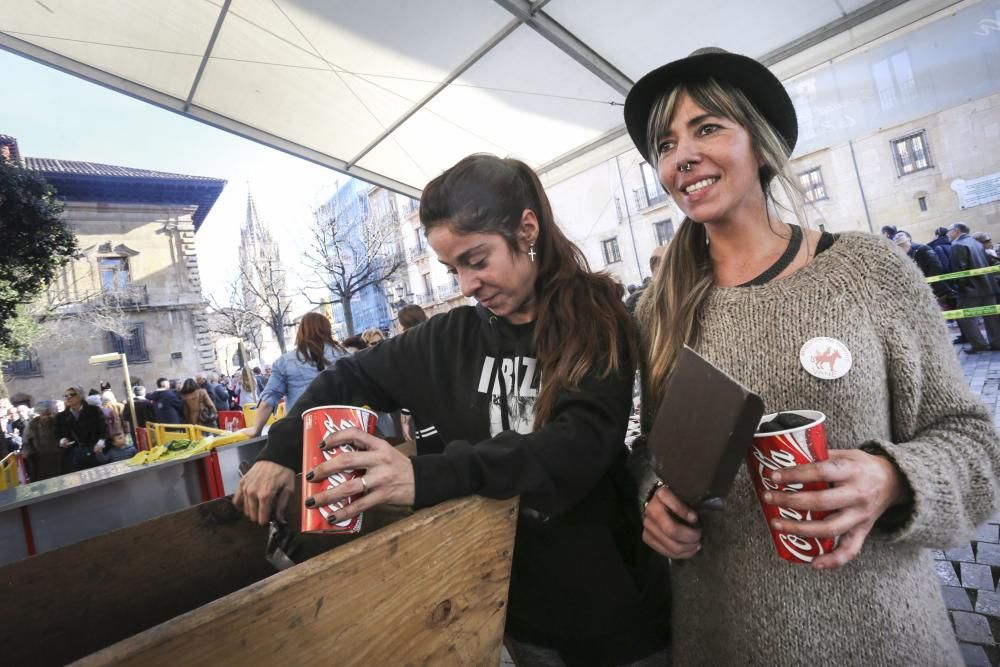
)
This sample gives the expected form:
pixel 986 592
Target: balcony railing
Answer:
pixel 438 295
pixel 413 254
pixel 129 296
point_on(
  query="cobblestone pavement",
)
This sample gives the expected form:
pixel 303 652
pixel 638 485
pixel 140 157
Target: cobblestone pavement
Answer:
pixel 969 573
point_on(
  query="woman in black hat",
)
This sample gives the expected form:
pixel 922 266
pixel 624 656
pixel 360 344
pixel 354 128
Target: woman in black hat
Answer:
pixel 914 459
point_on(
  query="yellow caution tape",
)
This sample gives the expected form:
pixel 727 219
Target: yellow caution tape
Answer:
pixel 979 311
pixel 963 274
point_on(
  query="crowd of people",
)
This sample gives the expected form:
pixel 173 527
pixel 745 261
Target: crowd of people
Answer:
pixel 92 427
pixel 953 249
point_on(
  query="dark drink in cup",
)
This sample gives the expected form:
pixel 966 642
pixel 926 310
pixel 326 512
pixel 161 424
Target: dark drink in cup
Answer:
pixel 317 423
pixel 784 440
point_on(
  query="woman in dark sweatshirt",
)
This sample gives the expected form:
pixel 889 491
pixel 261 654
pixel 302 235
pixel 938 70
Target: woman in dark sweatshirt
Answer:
pixel 531 390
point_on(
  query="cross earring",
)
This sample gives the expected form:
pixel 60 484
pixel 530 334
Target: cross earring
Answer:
pixel 531 252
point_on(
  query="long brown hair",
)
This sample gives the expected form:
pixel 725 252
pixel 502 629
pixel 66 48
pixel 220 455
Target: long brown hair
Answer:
pixel 669 315
pixel 580 313
pixel 314 334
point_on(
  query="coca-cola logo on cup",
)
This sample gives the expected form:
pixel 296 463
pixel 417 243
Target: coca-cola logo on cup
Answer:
pixel 802 548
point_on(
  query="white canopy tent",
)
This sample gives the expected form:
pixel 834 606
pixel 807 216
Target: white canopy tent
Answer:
pixel 395 91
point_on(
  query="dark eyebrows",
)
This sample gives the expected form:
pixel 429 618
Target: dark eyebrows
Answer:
pixel 464 257
pixel 694 122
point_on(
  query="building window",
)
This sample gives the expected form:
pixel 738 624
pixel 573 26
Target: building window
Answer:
pixel 922 203
pixel 133 345
pixel 912 153
pixel 114 273
pixel 812 185
pixel 428 285
pixel 611 252
pixel 664 231
pixel 23 368
pixel 654 191
pixel 894 80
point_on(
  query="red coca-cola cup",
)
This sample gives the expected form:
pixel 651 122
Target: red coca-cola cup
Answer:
pixel 783 449
pixel 317 423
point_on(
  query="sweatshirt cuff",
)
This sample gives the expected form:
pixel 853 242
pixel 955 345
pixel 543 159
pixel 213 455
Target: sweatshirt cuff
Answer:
pixel 281 448
pixel 435 480
pixel 900 521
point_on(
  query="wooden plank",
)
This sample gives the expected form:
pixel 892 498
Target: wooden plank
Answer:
pixel 70 602
pixel 430 589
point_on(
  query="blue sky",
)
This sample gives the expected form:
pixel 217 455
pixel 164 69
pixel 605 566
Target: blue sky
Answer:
pixel 56 115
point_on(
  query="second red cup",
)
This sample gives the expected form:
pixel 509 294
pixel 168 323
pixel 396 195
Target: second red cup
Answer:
pixel 784 449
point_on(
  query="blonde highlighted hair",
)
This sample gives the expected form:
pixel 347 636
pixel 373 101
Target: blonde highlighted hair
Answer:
pixel 670 312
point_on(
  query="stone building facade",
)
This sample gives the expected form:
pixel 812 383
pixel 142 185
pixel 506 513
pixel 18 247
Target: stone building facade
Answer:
pixel 134 288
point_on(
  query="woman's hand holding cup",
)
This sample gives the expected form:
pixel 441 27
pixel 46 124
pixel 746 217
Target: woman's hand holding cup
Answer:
pixel 863 487
pixel 664 532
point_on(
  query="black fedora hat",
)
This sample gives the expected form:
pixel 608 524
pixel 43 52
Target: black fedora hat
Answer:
pixel 761 87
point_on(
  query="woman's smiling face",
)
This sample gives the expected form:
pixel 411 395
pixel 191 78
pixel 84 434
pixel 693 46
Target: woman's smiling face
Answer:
pixel 707 163
pixel 489 271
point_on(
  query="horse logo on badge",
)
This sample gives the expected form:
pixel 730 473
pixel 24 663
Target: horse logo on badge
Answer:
pixel 826 358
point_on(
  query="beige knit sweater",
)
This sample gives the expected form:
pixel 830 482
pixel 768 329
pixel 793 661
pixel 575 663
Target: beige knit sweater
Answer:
pixel 737 602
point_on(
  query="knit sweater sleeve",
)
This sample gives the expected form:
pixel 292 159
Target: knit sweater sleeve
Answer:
pixel 944 441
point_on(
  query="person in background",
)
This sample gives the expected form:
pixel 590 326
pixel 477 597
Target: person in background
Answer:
pixel 144 410
pixel 372 337
pixel 926 259
pixel 987 242
pixel 11 437
pixel 974 291
pixel 259 379
pixel 531 390
pixel 354 344
pixel 942 248
pixel 889 232
pixel 168 407
pixel 424 436
pixel 219 393
pixel 119 449
pixel 43 457
pixel 113 414
pixel 247 388
pixel 914 458
pixel 82 430
pixel 410 316
pixel 198 407
pixel 16 423
pixel 315 350
pixel 654 263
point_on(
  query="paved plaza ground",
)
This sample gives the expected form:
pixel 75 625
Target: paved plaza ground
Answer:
pixel 969 573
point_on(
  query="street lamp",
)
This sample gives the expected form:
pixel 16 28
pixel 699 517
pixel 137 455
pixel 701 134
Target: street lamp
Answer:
pixel 119 356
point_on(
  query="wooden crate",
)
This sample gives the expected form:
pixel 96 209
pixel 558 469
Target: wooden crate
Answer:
pixel 193 588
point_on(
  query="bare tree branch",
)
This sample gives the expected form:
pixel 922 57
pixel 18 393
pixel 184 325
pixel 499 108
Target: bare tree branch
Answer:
pixel 354 245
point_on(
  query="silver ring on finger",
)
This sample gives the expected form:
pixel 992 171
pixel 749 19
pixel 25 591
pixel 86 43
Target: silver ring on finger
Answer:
pixel 364 485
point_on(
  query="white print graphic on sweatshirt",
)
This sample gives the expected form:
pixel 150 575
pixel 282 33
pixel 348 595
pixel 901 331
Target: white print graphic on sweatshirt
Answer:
pixel 521 379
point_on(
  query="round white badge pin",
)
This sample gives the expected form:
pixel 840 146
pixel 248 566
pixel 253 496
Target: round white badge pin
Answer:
pixel 825 358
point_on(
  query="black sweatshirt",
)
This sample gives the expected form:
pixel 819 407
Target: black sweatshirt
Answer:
pixel 582 581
